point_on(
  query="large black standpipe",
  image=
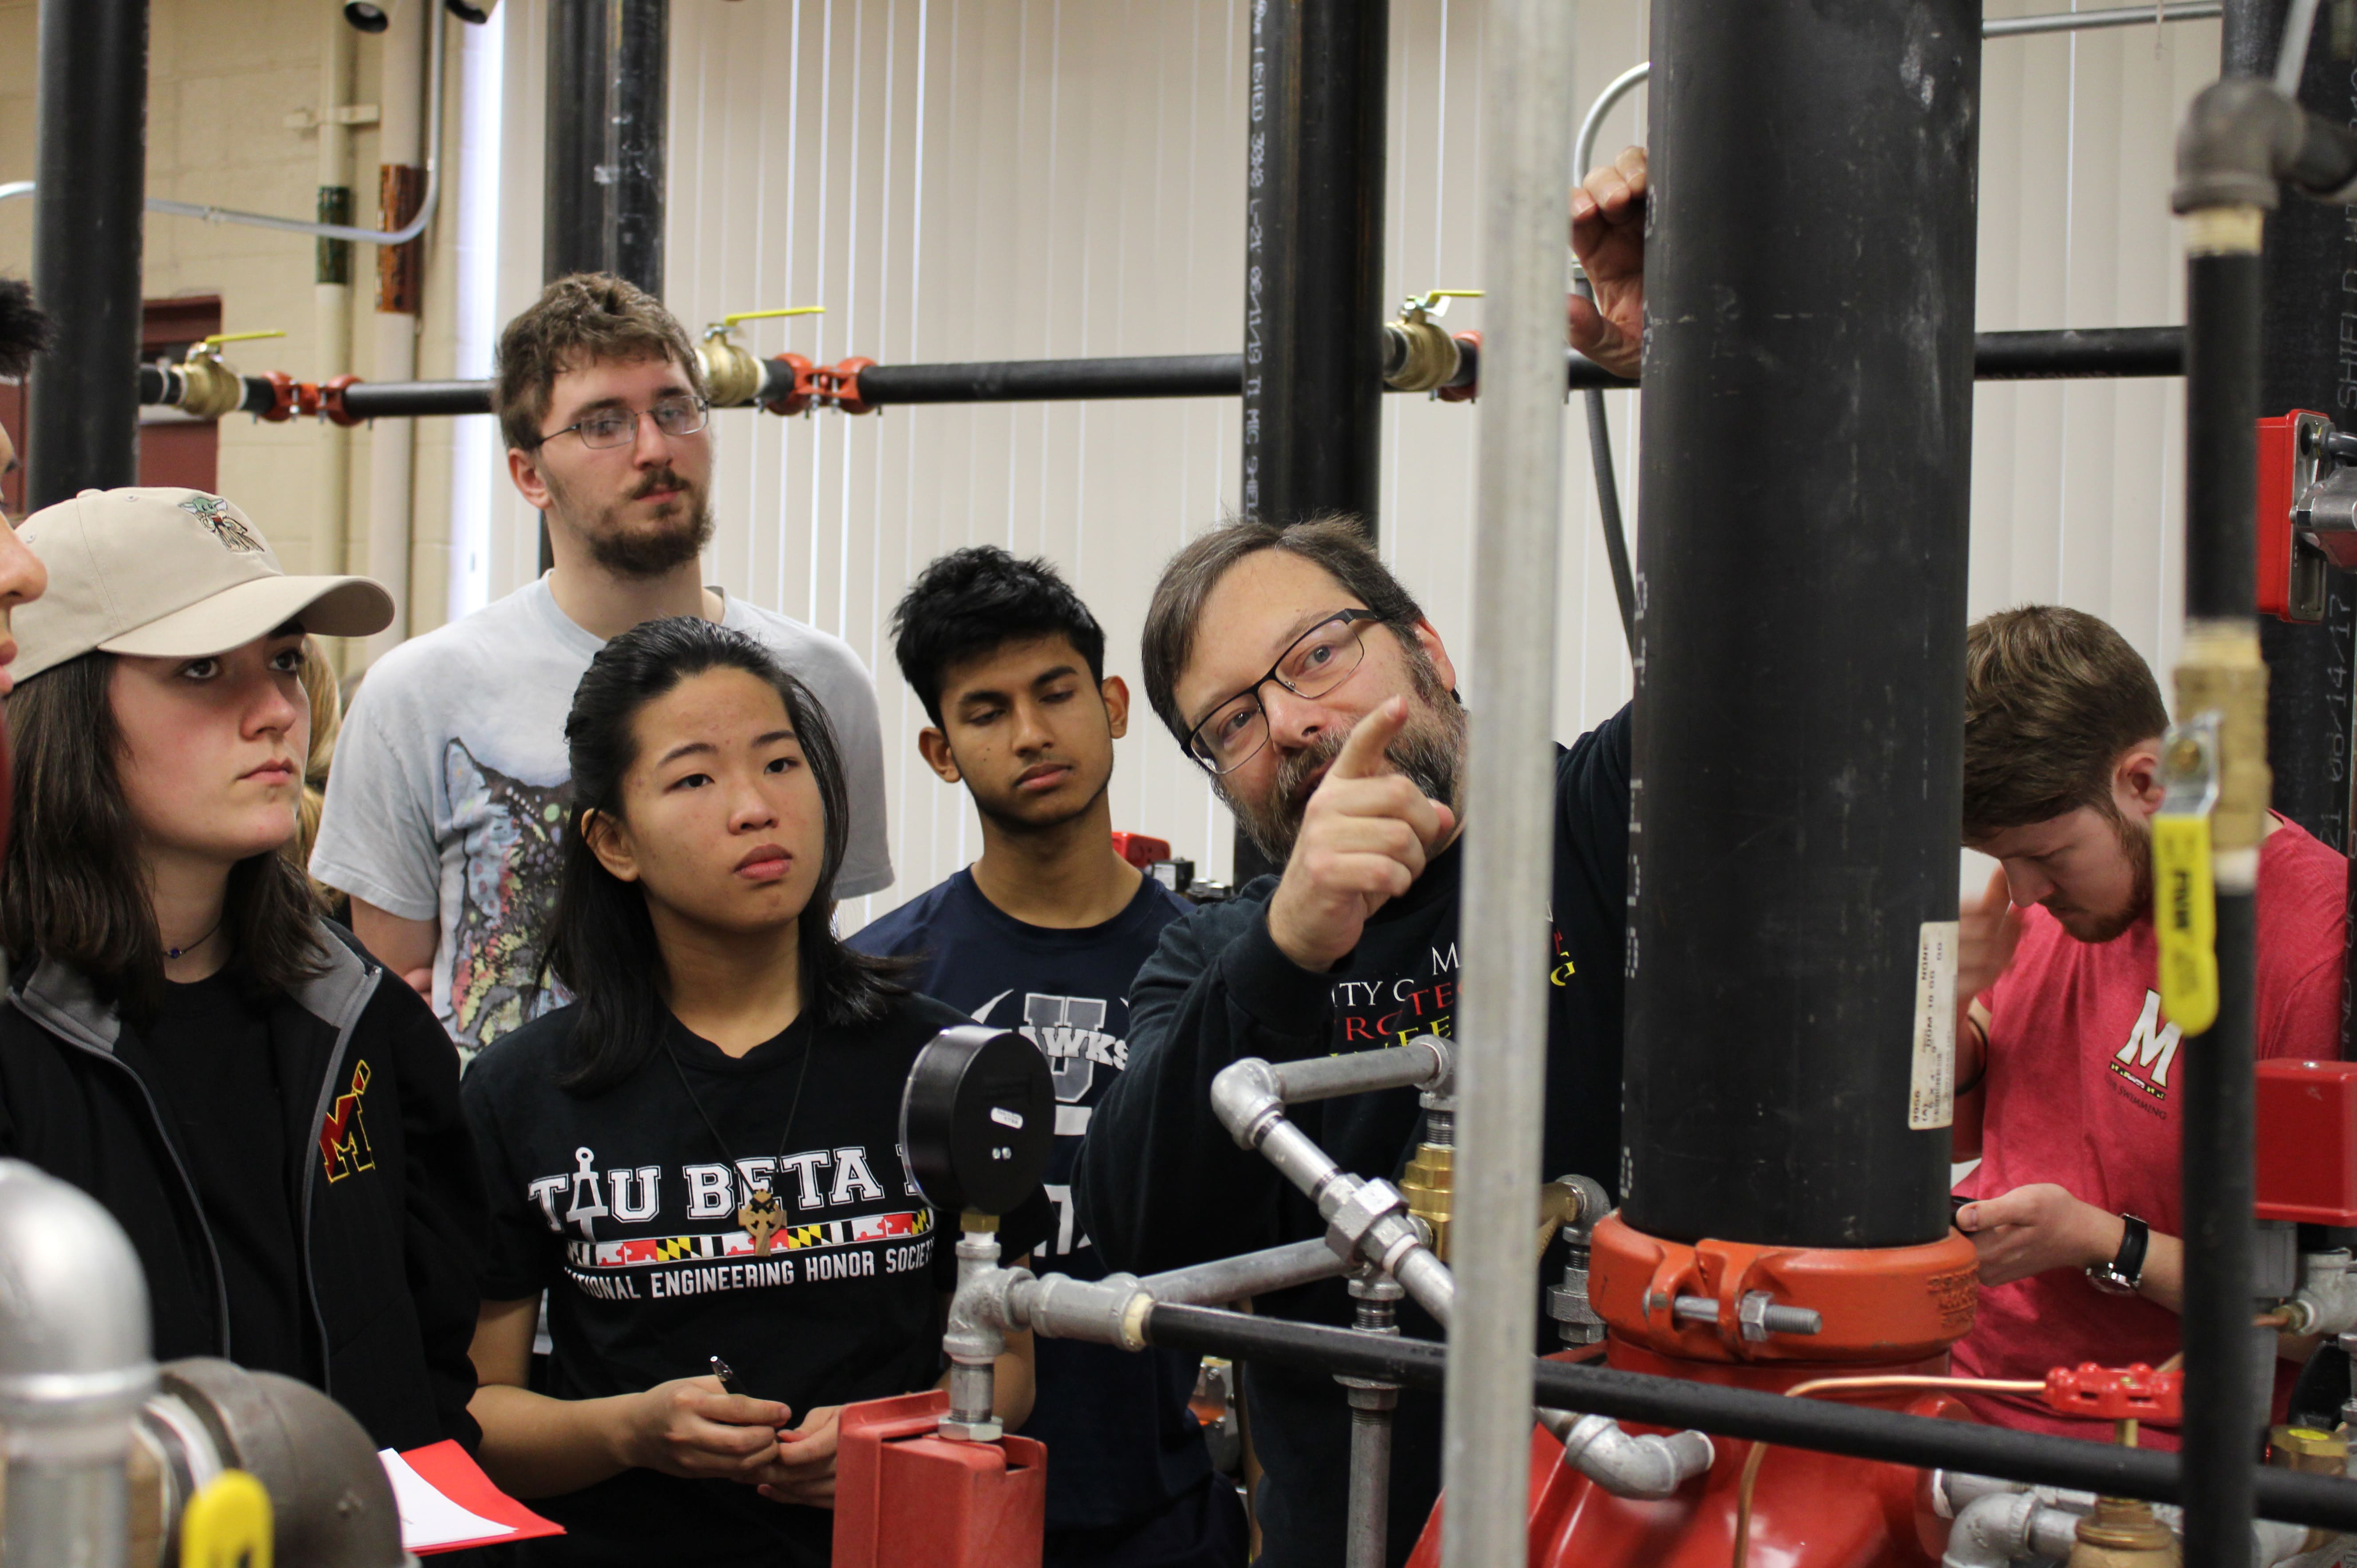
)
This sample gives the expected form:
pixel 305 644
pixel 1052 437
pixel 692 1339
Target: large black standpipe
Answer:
pixel 609 65
pixel 1313 258
pixel 609 72
pixel 82 427
pixel 1313 371
pixel 1800 594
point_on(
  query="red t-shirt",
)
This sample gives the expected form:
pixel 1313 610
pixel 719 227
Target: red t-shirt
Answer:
pixel 2083 1091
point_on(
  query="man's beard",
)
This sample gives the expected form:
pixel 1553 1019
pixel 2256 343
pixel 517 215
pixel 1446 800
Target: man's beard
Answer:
pixel 2136 842
pixel 653 549
pixel 1428 751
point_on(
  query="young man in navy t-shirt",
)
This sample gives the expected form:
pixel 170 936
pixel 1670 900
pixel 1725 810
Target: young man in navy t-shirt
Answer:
pixel 1043 934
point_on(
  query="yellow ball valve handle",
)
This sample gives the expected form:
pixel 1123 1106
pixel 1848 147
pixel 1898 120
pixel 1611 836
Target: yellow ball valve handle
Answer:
pixel 720 328
pixel 227 1525
pixel 2185 899
pixel 210 346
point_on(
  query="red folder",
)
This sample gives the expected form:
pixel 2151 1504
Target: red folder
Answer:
pixel 450 1470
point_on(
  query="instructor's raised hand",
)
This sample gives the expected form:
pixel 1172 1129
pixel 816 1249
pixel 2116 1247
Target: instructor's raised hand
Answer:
pixel 1365 837
pixel 1608 234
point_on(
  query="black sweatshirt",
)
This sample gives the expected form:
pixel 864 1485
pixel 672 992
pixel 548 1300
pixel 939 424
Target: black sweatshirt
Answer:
pixel 1161 1184
pixel 380 1182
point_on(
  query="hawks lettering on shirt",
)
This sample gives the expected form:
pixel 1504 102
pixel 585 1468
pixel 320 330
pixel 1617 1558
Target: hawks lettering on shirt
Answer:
pixel 587 1204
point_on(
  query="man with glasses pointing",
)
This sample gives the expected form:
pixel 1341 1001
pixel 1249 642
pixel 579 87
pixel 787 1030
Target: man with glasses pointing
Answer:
pixel 1304 678
pixel 444 803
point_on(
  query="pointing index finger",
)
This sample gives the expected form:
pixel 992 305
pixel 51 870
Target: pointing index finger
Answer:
pixel 1361 756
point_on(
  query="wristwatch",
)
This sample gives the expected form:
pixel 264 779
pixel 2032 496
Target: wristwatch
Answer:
pixel 2126 1271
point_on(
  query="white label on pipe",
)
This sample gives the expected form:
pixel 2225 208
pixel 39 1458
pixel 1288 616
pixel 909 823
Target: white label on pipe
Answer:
pixel 1932 1078
pixel 1006 1118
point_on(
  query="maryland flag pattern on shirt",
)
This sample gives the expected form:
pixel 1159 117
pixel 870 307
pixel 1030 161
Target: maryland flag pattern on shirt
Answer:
pixel 648 1250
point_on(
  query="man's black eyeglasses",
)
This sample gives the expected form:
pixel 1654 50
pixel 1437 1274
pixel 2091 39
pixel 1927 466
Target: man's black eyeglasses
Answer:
pixel 1319 661
pixel 609 428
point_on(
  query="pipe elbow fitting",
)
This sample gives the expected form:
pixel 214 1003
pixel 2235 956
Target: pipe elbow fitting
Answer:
pixel 74 1352
pixel 1595 1203
pixel 1245 1099
pixel 1990 1531
pixel 2240 138
pixel 1646 1467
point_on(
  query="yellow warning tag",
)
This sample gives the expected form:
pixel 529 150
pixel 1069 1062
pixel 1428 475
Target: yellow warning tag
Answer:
pixel 2185 915
pixel 228 1524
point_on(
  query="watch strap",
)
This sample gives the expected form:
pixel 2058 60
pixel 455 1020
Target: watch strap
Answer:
pixel 2136 1240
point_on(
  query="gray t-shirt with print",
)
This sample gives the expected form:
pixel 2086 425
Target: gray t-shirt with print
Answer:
pixel 448 793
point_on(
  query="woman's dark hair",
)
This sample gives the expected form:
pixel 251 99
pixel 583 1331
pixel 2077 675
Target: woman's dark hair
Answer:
pixel 601 939
pixel 71 888
pixel 972 601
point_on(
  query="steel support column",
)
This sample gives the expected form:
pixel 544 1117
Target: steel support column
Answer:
pixel 2304 363
pixel 83 423
pixel 1799 771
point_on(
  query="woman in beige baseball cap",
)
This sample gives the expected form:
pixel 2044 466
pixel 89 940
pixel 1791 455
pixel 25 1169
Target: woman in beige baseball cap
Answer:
pixel 273 1119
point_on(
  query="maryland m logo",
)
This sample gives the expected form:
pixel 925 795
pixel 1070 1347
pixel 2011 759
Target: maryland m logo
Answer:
pixel 343 1136
pixel 2150 1052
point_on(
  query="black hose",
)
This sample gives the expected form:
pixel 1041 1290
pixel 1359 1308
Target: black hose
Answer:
pixel 2327 1501
pixel 1608 501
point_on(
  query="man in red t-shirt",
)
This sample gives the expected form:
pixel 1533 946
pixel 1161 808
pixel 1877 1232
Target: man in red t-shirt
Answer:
pixel 2069 1081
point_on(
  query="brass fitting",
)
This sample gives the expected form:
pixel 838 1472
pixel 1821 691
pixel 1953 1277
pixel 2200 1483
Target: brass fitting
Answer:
pixel 1427 1183
pixel 732 377
pixel 2221 671
pixel 2318 1453
pixel 2122 1533
pixel 208 388
pixel 1419 355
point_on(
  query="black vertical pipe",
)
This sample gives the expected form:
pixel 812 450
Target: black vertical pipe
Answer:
pixel 1799 766
pixel 2308 327
pixel 2222 1352
pixel 82 427
pixel 1313 374
pixel 1313 258
pixel 602 203
pixel 609 67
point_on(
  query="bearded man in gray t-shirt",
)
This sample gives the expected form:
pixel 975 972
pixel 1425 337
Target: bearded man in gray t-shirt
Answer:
pixel 448 790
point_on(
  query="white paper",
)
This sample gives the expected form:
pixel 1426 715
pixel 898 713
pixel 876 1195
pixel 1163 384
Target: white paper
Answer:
pixel 1932 1078
pixel 428 1518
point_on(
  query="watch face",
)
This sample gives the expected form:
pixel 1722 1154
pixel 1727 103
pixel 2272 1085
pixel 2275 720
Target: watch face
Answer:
pixel 2110 1280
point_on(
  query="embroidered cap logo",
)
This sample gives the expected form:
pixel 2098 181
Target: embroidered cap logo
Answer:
pixel 214 513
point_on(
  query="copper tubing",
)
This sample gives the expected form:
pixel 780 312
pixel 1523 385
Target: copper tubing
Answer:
pixel 1760 1450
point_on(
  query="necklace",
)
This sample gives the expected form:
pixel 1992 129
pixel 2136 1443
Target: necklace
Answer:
pixel 183 952
pixel 763 1213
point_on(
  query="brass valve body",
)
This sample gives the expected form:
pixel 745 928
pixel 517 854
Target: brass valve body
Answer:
pixel 1425 1183
pixel 731 376
pixel 2122 1533
pixel 2221 669
pixel 209 389
pixel 1425 354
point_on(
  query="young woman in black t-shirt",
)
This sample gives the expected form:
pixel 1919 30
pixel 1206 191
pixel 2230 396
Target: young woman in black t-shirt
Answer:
pixel 696 1160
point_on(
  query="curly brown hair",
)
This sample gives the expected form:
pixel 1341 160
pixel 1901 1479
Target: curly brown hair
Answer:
pixel 585 316
pixel 2052 698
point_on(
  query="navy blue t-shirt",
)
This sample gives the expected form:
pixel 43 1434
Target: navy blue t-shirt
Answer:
pixel 1121 1441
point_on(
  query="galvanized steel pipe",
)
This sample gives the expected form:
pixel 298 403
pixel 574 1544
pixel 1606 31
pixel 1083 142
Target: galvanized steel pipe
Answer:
pixel 1509 786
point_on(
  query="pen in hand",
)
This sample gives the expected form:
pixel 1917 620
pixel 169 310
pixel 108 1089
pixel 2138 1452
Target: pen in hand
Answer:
pixel 729 1382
